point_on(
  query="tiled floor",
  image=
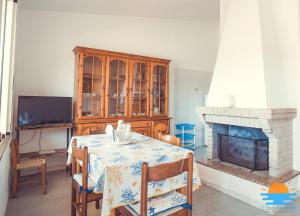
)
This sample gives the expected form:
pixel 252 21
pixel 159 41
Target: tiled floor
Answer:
pixel 207 201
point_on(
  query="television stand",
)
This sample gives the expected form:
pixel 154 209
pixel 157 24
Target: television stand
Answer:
pixel 68 126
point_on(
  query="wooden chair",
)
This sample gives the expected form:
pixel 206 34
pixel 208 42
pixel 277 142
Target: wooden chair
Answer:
pixel 18 165
pixel 169 139
pixel 82 185
pixel 88 131
pixel 180 204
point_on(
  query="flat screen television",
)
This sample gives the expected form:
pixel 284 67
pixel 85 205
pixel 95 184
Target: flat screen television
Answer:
pixel 42 110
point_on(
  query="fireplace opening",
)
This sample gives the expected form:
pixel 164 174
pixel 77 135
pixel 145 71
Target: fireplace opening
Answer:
pixel 247 152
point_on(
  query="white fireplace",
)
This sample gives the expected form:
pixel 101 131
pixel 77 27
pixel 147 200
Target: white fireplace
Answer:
pixel 277 124
pixel 251 67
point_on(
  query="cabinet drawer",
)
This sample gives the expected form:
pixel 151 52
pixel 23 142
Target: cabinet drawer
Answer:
pixel 161 126
pixel 139 124
pixel 86 129
pixel 134 124
pixel 144 130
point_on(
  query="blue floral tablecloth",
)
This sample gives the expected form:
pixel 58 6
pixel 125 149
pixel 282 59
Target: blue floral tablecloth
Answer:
pixel 116 169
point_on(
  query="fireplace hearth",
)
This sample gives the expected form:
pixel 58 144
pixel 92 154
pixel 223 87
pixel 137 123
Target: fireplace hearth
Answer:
pixel 250 153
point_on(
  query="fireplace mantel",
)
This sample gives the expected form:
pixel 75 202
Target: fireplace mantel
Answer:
pixel 276 123
pixel 270 113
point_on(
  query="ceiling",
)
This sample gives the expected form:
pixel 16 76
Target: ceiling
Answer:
pixel 205 10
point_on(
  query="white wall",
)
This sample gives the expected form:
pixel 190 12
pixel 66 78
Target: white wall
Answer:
pixel 191 87
pixel 45 62
pixel 4 179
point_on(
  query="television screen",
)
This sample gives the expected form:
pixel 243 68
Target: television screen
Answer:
pixel 39 110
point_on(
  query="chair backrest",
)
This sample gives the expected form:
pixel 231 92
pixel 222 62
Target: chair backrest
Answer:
pixel 14 152
pixel 164 171
pixel 80 155
pixel 169 139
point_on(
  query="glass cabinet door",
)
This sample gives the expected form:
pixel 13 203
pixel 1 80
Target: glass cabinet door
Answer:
pixel 92 86
pixel 116 88
pixel 159 90
pixel 139 97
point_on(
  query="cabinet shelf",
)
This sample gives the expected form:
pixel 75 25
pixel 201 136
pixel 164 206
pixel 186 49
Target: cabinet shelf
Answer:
pixel 117 78
pixel 89 76
pixel 113 97
pixel 157 98
pixel 138 80
pixel 140 98
pixel 187 135
pixel 116 115
pixel 160 82
pixel 139 114
pixel 89 114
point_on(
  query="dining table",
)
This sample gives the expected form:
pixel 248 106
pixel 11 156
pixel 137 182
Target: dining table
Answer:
pixel 116 169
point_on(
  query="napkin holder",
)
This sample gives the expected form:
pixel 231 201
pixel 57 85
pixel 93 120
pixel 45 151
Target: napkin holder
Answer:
pixel 120 135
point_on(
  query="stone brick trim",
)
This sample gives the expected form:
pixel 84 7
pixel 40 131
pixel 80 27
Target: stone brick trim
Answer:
pixel 277 124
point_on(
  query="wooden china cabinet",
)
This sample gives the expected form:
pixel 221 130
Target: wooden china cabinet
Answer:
pixel 110 86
